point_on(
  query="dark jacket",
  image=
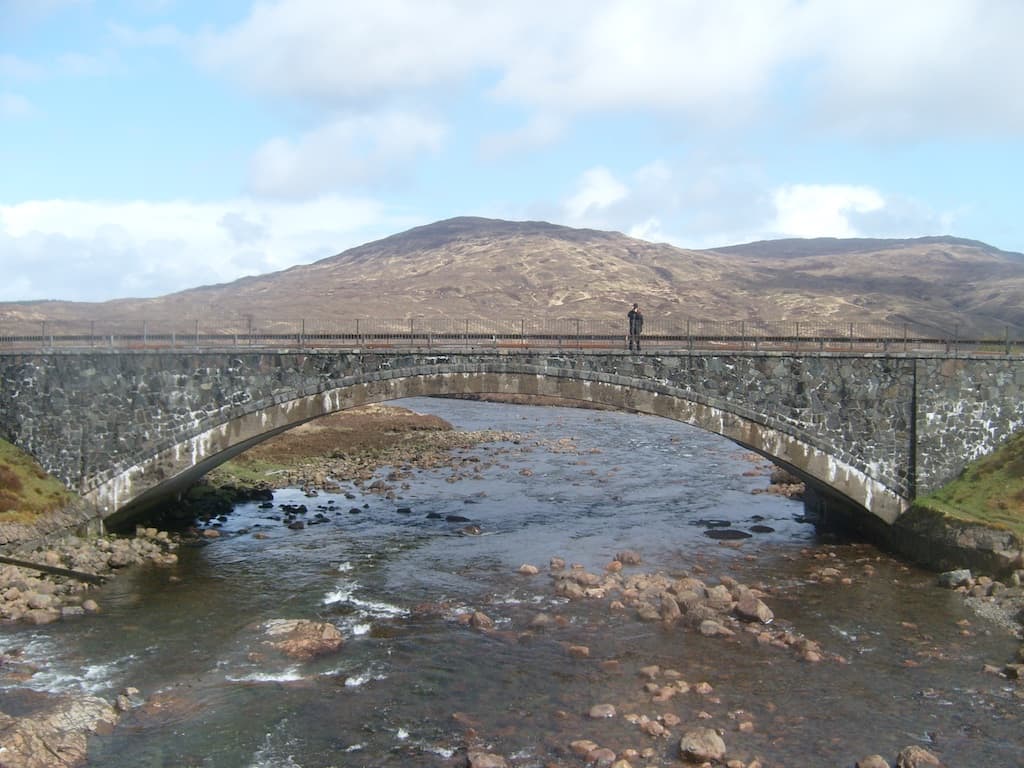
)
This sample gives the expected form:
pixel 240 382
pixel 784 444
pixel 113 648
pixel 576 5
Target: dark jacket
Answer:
pixel 636 321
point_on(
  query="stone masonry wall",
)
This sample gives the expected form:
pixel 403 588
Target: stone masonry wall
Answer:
pixel 965 408
pixel 910 423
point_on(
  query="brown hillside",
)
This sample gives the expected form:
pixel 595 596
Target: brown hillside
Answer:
pixel 473 268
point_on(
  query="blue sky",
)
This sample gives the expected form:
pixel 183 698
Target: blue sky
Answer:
pixel 147 146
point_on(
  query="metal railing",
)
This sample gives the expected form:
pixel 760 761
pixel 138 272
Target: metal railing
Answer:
pixel 447 333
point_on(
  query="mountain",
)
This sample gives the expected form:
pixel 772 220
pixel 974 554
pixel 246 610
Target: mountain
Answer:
pixel 474 268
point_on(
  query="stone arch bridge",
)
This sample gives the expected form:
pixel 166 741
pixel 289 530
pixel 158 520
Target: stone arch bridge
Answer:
pixel 127 428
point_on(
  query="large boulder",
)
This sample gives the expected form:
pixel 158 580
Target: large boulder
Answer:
pixel 56 737
pixel 953 579
pixel 750 608
pixel 303 639
pixel 917 757
pixel 702 745
pixel 481 759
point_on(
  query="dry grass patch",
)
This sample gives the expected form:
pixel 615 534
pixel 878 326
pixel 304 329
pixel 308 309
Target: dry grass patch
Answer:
pixel 25 489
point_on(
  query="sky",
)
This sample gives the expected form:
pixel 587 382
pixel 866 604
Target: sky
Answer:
pixel 149 146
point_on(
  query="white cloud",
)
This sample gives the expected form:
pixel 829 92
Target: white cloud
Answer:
pixel 704 203
pixel 649 230
pixel 822 210
pixel 663 56
pixel 14 105
pixel 341 50
pixel 875 67
pixel 93 251
pixel 695 203
pixel 919 68
pixel 345 151
pixel 598 191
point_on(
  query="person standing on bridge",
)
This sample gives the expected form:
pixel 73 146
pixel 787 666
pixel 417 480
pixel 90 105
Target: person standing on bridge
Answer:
pixel 636 326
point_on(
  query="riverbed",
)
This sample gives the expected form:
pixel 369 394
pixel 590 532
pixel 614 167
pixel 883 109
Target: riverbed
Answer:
pixel 398 569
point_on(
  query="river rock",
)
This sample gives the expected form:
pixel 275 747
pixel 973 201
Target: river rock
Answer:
pixel 629 557
pixel 303 639
pixel 688 599
pixel 648 612
pixel 602 757
pixel 719 598
pixel 600 711
pixel 478 759
pixel 39 600
pixel 669 608
pixel 480 620
pixel 749 608
pixel 917 757
pixel 542 621
pixel 57 737
pixel 582 747
pixel 711 628
pixel 41 616
pixel 954 579
pixel 570 589
pixel 702 744
pixel 873 761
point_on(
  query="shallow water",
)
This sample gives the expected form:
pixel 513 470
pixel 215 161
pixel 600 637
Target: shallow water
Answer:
pixel 413 685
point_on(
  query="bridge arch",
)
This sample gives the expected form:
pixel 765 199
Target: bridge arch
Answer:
pixel 125 427
pixel 172 469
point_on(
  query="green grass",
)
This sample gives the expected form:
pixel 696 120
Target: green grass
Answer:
pixel 990 491
pixel 25 489
pixel 243 473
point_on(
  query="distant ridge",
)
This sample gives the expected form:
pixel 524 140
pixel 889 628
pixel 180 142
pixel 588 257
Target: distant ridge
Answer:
pixel 468 268
pixel 817 246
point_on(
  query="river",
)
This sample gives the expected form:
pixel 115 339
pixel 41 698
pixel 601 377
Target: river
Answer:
pixel 414 685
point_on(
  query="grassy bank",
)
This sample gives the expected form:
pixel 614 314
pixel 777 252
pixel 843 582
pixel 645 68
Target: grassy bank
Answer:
pixel 989 492
pixel 26 491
